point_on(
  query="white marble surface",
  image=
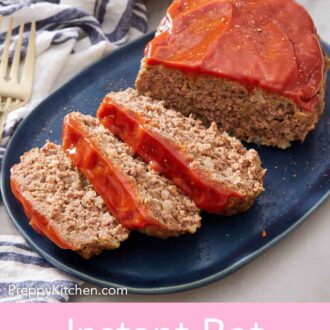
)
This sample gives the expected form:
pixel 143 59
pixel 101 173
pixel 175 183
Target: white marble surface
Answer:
pixel 297 269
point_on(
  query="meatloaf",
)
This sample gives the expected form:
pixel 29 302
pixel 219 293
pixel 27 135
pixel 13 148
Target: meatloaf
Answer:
pixel 62 205
pixel 256 68
pixel 215 170
pixel 138 196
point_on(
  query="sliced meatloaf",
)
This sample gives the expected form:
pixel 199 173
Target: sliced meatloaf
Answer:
pixel 62 205
pixel 215 170
pixel 139 197
pixel 256 68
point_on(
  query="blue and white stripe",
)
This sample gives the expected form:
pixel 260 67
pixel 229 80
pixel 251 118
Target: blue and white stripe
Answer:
pixel 77 25
pixel 71 34
pixel 22 269
pixel 112 20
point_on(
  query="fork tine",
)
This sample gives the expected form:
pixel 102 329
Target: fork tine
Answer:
pixel 17 56
pixel 8 103
pixel 5 53
pixel 28 71
pixel 3 115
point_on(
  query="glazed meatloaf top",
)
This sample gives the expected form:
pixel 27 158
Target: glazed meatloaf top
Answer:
pixel 150 193
pixel 270 44
pixel 219 160
pixel 62 205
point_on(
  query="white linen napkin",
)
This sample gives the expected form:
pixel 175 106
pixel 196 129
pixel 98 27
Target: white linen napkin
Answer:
pixel 27 277
pixel 71 34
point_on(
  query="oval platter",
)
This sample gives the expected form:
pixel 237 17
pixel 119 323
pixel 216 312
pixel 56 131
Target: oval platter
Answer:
pixel 297 182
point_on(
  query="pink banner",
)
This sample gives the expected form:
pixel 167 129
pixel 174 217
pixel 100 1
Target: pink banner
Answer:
pixel 165 317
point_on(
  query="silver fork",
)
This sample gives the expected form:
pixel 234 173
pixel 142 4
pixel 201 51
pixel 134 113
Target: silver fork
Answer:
pixel 16 88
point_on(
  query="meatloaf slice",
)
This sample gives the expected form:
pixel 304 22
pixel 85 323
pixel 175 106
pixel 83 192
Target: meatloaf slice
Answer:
pixel 62 205
pixel 139 197
pixel 215 170
pixel 256 68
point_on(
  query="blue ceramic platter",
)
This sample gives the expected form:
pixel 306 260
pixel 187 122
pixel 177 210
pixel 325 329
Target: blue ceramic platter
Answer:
pixel 297 181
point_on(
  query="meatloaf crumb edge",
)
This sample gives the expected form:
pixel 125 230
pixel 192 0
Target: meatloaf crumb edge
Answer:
pixel 51 188
pixel 155 196
pixel 220 159
pixel 255 116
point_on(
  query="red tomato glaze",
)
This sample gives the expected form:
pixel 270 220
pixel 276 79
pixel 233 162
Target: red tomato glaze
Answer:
pixel 165 157
pixel 114 187
pixel 38 222
pixel 270 44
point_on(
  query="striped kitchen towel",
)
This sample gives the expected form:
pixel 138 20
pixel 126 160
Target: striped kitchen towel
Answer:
pixel 26 277
pixel 71 34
